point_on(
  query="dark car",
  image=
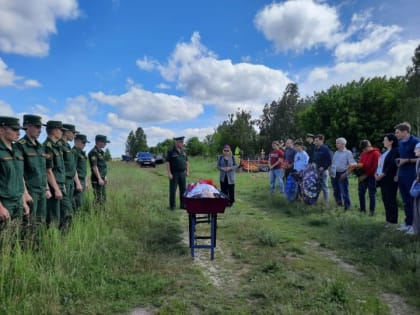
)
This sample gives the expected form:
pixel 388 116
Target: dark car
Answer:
pixel 146 159
pixel 159 159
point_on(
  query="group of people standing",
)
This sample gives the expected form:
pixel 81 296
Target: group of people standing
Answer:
pixel 44 183
pixel 392 170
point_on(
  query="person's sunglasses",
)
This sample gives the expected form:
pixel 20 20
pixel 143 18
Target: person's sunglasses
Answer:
pixel 226 151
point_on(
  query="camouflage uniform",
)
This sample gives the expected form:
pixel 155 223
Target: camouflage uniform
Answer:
pixel 97 158
pixel 35 171
pixel 178 165
pixel 58 211
pixel 81 167
pixel 11 173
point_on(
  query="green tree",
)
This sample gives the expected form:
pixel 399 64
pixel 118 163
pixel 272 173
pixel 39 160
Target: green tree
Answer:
pixel 195 147
pixel 366 109
pixel 237 130
pixel 279 119
pixel 107 155
pixel 411 109
pixel 136 142
pixel 163 147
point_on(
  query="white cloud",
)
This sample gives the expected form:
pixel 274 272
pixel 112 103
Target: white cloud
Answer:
pixel 6 109
pixel 163 86
pixel 299 24
pixel 25 26
pixel 393 63
pixel 144 106
pixel 38 108
pixel 373 38
pixel 147 64
pixel 9 78
pixel 402 53
pixel 31 83
pixel 200 133
pixel 209 80
pixel 157 134
pixel 117 122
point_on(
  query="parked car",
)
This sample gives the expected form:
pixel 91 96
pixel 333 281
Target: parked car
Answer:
pixel 125 158
pixel 146 159
pixel 159 159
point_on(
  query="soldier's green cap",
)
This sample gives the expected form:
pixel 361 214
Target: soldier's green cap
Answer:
pixel 11 122
pixel 179 138
pixel 54 124
pixel 33 120
pixel 101 138
pixel 82 138
pixel 70 127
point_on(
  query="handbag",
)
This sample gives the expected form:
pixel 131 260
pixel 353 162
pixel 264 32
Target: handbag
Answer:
pixel 415 189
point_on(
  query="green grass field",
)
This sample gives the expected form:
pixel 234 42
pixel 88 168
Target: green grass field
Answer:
pixel 272 257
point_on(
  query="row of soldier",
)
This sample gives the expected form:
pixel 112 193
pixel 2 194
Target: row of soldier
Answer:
pixel 44 183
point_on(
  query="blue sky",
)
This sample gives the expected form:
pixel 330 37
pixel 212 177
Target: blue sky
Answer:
pixel 180 67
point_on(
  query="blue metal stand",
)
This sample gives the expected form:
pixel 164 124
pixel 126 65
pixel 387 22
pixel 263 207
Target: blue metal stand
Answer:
pixel 193 221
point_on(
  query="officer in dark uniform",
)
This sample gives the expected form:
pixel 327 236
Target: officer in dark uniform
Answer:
pixel 59 206
pixel 12 205
pixel 310 146
pixel 81 168
pixel 177 166
pixel 72 180
pixel 35 171
pixel 99 169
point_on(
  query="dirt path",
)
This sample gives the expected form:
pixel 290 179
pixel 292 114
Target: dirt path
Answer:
pixel 220 270
pixel 396 303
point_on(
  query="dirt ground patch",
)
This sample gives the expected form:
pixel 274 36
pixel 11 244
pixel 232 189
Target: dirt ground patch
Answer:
pixel 395 303
pixel 141 311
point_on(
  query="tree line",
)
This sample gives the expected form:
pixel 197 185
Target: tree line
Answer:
pixel 363 109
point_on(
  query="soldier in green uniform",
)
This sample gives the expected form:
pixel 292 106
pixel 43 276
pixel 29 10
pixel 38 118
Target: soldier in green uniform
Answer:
pixel 81 168
pixel 58 206
pixel 35 171
pixel 12 187
pixel 99 169
pixel 72 180
pixel 177 166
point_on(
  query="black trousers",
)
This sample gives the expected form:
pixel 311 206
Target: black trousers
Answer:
pixel 178 179
pixel 389 197
pixel 228 190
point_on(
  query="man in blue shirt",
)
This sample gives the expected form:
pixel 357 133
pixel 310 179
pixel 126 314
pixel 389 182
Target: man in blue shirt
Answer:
pixel 406 171
pixel 322 159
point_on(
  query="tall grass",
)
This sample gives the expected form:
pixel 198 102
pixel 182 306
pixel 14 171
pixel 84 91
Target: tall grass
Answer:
pixel 105 260
pixel 132 254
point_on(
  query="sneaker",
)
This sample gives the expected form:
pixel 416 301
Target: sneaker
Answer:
pixel 389 224
pixel 410 231
pixel 403 227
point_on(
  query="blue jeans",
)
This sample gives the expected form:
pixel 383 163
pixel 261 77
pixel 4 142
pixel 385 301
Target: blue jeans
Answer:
pixel 404 184
pixel 324 185
pixel 276 174
pixel 368 184
pixel 341 190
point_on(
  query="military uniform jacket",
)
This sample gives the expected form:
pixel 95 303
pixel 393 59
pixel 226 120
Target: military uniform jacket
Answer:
pixel 11 172
pixel 80 159
pixel 97 158
pixel 68 157
pixel 55 160
pixel 35 169
pixel 177 160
